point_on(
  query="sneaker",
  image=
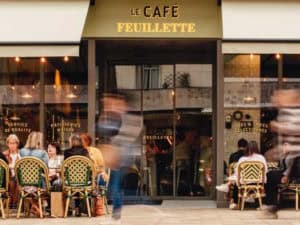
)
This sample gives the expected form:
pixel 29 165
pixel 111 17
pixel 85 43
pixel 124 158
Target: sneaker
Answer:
pixel 232 206
pixel 223 188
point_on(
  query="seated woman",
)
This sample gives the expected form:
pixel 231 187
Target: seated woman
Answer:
pixel 76 148
pixel 251 154
pixel 12 155
pixel 96 156
pixel 54 164
pixel 34 147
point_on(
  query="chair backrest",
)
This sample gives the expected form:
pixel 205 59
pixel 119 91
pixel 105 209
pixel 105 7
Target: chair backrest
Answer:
pixel 231 168
pixel 4 175
pixel 78 171
pixel 273 165
pixel 31 171
pixel 251 172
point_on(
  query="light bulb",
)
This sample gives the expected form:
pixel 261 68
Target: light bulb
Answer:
pixel 17 59
pixel 66 59
pixel 43 60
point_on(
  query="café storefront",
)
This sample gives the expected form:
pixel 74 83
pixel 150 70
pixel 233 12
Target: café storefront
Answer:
pixel 164 55
pixel 186 65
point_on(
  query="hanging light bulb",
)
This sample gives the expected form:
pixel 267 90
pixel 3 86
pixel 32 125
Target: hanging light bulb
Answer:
pixel 43 60
pixel 17 59
pixel 278 56
pixel 251 56
pixel 66 59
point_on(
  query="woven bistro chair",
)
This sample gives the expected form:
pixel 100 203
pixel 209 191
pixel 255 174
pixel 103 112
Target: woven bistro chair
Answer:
pixel 78 174
pixel 250 181
pixel 32 180
pixel 4 180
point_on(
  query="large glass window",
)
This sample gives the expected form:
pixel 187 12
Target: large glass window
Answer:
pixel 175 102
pixel 20 97
pixel 250 81
pixel 43 94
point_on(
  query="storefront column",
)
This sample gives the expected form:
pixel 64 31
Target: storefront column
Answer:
pixel 219 124
pixel 91 88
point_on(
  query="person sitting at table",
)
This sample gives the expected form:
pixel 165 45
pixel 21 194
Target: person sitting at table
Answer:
pixel 34 147
pixel 97 157
pixel 12 155
pixel 76 148
pixel 54 164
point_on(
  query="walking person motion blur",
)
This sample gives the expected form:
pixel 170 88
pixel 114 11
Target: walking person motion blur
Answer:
pixel 287 126
pixel 122 131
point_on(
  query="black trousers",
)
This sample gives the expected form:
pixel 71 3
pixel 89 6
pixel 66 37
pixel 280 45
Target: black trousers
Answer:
pixel 273 179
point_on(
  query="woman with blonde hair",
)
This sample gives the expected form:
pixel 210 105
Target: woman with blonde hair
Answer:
pixel 34 147
pixel 12 155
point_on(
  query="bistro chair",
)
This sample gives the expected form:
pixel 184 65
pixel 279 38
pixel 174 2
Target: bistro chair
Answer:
pixel 32 179
pixel 250 181
pixel 78 173
pixel 4 180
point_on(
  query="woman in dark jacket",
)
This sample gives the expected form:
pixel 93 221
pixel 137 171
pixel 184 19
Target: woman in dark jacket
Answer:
pixel 76 149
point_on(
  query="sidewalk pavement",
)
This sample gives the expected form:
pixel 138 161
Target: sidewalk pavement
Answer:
pixel 158 215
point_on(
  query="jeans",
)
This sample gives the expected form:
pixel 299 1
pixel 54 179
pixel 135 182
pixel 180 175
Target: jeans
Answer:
pixel 116 189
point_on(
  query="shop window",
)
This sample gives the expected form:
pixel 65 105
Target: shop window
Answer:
pixel 20 97
pixel 249 83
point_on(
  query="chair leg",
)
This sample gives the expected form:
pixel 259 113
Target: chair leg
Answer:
pixel 1 206
pixel 20 204
pixel 40 204
pixel 243 199
pixel 106 204
pixel 87 203
pixel 297 199
pixel 7 205
pixel 67 203
pixel 259 199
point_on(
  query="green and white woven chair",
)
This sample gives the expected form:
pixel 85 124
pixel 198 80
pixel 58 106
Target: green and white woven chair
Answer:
pixel 32 179
pixel 250 181
pixel 78 176
pixel 4 179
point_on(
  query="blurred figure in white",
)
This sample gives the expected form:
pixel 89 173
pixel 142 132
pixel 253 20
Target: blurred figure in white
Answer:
pixel 287 127
pixel 123 130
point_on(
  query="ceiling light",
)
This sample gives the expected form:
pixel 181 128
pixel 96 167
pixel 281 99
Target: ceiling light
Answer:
pixel 14 117
pixel 71 95
pixel 249 99
pixel 66 59
pixel 26 95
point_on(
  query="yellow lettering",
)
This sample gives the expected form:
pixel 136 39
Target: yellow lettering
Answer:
pixel 120 27
pixel 166 28
pixel 191 28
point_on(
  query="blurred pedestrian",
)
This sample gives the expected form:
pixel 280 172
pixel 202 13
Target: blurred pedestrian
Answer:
pixel 121 147
pixel 287 127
